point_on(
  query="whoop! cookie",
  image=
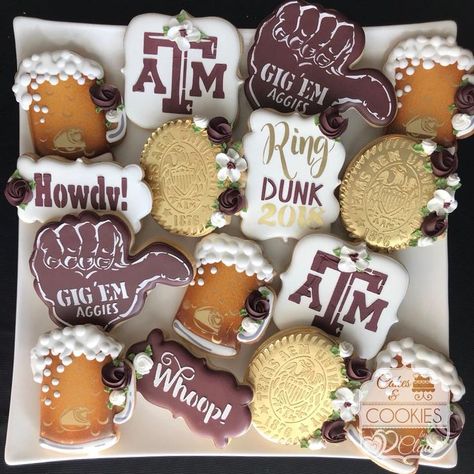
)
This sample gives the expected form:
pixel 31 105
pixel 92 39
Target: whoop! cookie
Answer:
pixel 344 290
pixel 427 74
pixel 72 113
pixel 228 303
pixel 306 388
pixel 76 416
pixel 195 174
pixel 293 170
pixel 408 410
pixel 49 187
pixel 211 402
pixel 176 66
pixel 397 192
pixel 301 61
pixel 84 271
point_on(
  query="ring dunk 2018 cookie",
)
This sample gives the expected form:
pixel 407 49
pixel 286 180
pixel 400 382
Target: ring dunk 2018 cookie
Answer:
pixel 398 192
pixel 195 174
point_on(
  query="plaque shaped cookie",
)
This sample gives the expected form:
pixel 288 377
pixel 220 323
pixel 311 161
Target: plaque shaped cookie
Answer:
pixel 398 192
pixel 301 61
pixel 211 402
pixel 84 272
pixel 178 66
pixel 435 92
pixel 59 186
pixel 342 289
pixel 293 171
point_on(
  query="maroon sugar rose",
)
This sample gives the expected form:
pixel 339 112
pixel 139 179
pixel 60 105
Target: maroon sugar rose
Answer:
pixel 464 99
pixel 333 431
pixel 455 427
pixel 105 96
pixel 356 369
pixel 18 191
pixel 434 225
pixel 230 201
pixel 257 305
pixel 443 163
pixel 219 130
pixel 331 123
pixel 116 375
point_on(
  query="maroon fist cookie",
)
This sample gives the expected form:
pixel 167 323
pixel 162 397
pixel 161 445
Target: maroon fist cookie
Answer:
pixel 211 402
pixel 301 61
pixel 84 272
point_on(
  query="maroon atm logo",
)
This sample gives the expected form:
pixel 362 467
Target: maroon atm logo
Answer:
pixel 189 77
pixel 344 295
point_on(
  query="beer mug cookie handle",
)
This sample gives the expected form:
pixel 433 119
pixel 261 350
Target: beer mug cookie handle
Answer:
pixel 129 406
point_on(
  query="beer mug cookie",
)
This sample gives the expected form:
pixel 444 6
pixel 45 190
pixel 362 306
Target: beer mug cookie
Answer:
pixel 409 410
pixel 72 112
pixel 229 302
pixel 434 89
pixel 78 411
pixel 306 388
pixel 398 192
pixel 294 164
pixel 196 175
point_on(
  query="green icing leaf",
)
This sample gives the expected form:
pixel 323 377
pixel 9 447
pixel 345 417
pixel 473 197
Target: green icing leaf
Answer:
pixel 413 243
pixel 116 362
pixel 423 442
pixel 237 146
pixel 243 312
pixel 99 82
pixel 427 167
pixel 234 185
pixel 332 395
pixel 109 405
pixel 16 175
pixel 197 130
pixel 317 433
pixel 166 28
pixel 131 356
pixel 181 16
pixel 334 416
pixel 264 292
pixel 337 252
pixel 304 443
pixel 22 206
pixel 424 211
pixel 417 234
pixel 148 350
pixel 335 350
pixel 418 148
pixel 221 184
pixel 452 107
pixel 353 384
pixel 98 109
pixel 203 36
pixel 316 119
pixel 455 188
pixel 441 183
pixel 138 376
pixel 32 184
pixel 121 107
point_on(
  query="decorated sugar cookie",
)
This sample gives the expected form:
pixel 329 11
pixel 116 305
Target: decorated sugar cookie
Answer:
pixel 294 163
pixel 180 66
pixel 49 187
pixel 229 302
pixel 306 388
pixel 408 411
pixel 84 272
pixel 434 89
pixel 302 58
pixel 211 402
pixel 343 289
pixel 76 416
pixel 398 192
pixel 72 112
pixel 196 175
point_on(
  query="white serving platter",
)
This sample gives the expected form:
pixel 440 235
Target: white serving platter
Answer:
pixel 153 431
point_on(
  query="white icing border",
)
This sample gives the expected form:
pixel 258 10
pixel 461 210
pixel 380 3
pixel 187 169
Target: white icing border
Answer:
pixel 127 412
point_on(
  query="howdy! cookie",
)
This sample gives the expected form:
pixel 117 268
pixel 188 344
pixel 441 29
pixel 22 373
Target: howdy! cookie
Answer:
pixel 306 388
pixel 342 289
pixel 294 163
pixel 47 188
pixel 435 98
pixel 301 61
pixel 408 410
pixel 398 192
pixel 228 303
pixel 178 66
pixel 76 416
pixel 71 112
pixel 195 174
pixel 84 271
pixel 211 402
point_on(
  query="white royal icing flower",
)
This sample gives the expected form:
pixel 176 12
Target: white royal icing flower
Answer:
pixel 231 165
pixel 353 259
pixel 347 403
pixel 429 146
pixel 113 116
pixel 453 180
pixel 250 326
pixel 443 202
pixel 462 124
pixel 183 33
pixel 425 241
pixel 201 122
pixel 469 78
pixel 316 443
pixel 435 441
pixel 346 349
pixel 142 363
pixel 218 219
pixel 117 398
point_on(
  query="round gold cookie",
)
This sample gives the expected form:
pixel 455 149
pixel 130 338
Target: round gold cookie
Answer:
pixel 180 168
pixel 293 374
pixel 383 192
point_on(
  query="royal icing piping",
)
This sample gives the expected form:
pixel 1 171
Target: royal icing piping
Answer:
pixel 244 254
pixel 87 340
pixel 423 361
pixel 51 67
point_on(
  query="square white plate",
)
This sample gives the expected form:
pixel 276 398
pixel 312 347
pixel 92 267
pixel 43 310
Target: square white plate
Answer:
pixel 153 431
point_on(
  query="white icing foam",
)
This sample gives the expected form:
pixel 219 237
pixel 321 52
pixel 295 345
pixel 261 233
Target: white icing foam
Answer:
pixel 87 340
pixel 244 254
pixel 426 52
pixel 49 67
pixel 423 361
